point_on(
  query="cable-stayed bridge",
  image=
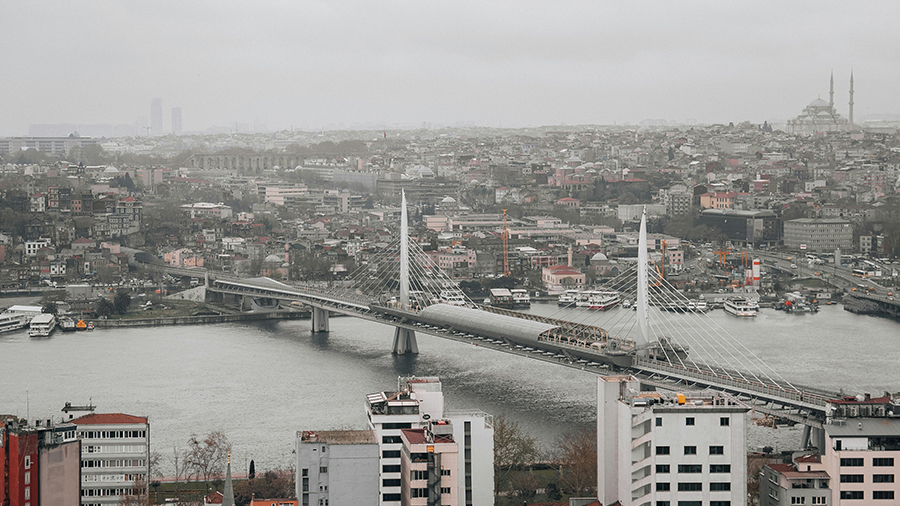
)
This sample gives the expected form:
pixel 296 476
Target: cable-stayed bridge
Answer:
pixel 403 287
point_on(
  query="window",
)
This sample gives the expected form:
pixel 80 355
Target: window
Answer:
pixel 28 462
pixel 662 450
pixel 390 454
pixel 883 494
pixel 662 487
pixel 390 482
pixel 445 490
pixel 389 440
pixel 818 499
pixel 882 462
pixel 323 469
pixel 27 477
pixel 719 503
pixel 720 486
pixel 658 421
pixel 724 421
pixel 717 450
pixel 690 450
pixel 851 494
pixel 798 500
pixel 390 497
pixel 689 420
pixel 418 475
pixel 882 478
pixel 690 487
pixel 27 492
pixel 720 468
pixel 852 462
pixel 690 468
pixel 396 426
pixel 304 472
pixel 690 503
pixel 419 492
pixel 663 503
pixel 445 472
pixel 662 468
pixel 390 469
pixel 851 478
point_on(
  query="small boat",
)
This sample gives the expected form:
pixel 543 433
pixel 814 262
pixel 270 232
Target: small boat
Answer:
pixel 453 298
pixel 520 298
pixel 626 304
pixel 66 324
pixel 90 325
pixel 80 325
pixel 567 298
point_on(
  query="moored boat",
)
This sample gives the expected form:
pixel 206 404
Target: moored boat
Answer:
pixel 741 306
pixel 603 300
pixel 10 322
pixel 66 324
pixel 520 298
pixel 42 325
pixel 567 298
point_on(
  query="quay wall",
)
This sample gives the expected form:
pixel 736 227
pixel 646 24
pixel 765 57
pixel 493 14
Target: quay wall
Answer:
pixel 198 320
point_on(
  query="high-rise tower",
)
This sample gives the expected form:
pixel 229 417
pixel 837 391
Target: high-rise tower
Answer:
pixel 851 98
pixel 156 117
pixel 176 120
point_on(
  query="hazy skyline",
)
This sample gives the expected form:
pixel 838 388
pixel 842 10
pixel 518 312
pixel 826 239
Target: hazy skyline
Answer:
pixel 518 63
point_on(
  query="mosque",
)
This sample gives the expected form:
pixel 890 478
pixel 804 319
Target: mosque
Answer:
pixel 820 116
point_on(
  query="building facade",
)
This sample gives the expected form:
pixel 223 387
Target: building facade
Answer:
pixel 818 234
pixel 756 228
pixel 429 466
pixel 337 467
pixel 115 456
pixel 668 449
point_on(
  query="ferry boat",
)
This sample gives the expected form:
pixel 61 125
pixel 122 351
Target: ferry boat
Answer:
pixel 603 300
pixel 567 298
pixel 685 306
pixel 42 325
pixel 501 297
pixel 583 298
pixel 66 324
pixel 520 298
pixel 452 298
pixel 10 322
pixel 741 306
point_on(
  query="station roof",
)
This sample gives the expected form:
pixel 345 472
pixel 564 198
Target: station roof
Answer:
pixel 483 322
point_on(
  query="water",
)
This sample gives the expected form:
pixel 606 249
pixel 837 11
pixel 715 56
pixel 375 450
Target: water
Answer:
pixel 260 383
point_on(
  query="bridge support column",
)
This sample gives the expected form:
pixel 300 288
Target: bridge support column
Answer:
pixel 812 436
pixel 319 319
pixel 404 341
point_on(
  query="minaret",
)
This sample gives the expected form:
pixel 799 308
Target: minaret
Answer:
pixel 851 98
pixel 228 495
pixel 831 92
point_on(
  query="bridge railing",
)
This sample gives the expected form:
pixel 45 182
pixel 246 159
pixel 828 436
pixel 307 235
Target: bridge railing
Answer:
pixel 711 378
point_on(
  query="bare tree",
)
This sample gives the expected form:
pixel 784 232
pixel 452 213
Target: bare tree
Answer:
pixel 513 450
pixel 138 495
pixel 206 458
pixel 579 461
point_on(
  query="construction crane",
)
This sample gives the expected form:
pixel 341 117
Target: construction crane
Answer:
pixel 723 254
pixel 505 236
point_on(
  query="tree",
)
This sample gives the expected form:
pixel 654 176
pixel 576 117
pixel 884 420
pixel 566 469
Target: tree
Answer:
pixel 579 460
pixel 138 495
pixel 513 449
pixel 206 457
pixel 104 307
pixel 51 308
pixel 252 473
pixel 277 483
pixel 121 302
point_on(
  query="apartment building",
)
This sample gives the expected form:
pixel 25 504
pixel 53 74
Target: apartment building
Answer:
pixel 115 455
pixel 665 449
pixel 337 467
pixel 429 466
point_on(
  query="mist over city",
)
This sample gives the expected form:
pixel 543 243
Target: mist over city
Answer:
pixel 411 253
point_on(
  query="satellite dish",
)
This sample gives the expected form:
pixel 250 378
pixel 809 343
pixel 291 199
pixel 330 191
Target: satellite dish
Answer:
pixel 426 416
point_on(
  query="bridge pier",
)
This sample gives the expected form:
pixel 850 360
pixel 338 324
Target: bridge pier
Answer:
pixel 812 436
pixel 319 319
pixel 404 341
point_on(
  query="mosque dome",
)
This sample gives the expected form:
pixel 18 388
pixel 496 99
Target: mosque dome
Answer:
pixel 599 257
pixel 448 200
pixel 818 103
pixel 275 259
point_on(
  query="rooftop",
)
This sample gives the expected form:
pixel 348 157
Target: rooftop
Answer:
pixel 864 427
pixel 417 437
pixel 338 437
pixel 108 419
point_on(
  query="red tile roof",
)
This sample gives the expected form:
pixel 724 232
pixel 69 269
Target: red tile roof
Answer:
pixel 108 419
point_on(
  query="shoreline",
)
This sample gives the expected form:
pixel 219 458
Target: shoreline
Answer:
pixel 198 320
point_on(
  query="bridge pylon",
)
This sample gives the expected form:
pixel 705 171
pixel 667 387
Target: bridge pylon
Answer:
pixel 319 319
pixel 404 341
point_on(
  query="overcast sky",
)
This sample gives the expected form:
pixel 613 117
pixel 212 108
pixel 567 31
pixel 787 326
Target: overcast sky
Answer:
pixel 515 63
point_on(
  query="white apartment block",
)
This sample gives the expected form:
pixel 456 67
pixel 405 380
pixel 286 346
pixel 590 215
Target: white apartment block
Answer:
pixel 337 467
pixel 115 453
pixel 668 449
pixel 416 401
